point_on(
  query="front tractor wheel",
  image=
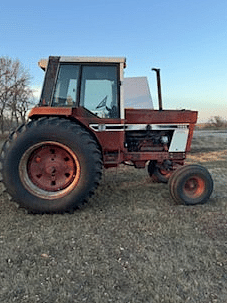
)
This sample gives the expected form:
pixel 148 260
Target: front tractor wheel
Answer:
pixel 159 173
pixel 191 185
pixel 50 165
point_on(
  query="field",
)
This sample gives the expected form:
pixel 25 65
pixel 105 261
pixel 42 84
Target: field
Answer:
pixel 130 243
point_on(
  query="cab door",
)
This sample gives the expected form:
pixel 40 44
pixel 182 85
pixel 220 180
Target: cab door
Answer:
pixel 99 90
pixel 99 94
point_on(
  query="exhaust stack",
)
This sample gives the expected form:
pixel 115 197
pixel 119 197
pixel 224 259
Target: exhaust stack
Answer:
pixel 157 70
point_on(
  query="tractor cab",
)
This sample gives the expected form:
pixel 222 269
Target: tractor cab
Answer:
pixel 96 84
pixel 92 83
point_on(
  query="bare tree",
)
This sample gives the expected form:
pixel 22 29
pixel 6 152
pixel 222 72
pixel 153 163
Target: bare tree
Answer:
pixel 5 78
pixel 23 103
pixel 15 94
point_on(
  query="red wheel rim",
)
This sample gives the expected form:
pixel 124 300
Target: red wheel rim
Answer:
pixel 165 173
pixel 49 170
pixel 194 187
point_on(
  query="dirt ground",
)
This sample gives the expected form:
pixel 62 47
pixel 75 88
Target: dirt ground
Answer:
pixel 130 243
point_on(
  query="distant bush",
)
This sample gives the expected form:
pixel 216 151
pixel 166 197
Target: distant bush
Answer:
pixel 216 122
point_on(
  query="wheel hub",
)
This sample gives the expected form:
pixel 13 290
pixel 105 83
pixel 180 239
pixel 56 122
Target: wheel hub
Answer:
pixel 51 167
pixel 194 187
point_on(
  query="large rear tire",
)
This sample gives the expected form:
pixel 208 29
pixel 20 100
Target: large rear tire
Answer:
pixel 191 185
pixel 51 165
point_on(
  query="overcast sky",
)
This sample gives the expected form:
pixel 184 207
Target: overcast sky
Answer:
pixel 187 39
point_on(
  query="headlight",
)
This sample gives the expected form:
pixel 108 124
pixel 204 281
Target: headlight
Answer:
pixel 164 139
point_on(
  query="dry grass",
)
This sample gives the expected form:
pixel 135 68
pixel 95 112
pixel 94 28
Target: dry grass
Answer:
pixel 130 243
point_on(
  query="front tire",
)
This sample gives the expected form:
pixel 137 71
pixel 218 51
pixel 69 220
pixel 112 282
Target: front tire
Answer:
pixel 158 173
pixel 51 165
pixel 191 185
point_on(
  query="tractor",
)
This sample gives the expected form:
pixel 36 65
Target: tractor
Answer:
pixel 54 162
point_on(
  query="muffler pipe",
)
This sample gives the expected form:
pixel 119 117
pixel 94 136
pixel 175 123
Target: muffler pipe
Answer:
pixel 157 70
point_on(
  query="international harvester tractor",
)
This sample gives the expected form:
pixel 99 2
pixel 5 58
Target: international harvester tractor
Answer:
pixel 54 162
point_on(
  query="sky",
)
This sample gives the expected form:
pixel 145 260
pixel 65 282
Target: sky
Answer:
pixel 186 39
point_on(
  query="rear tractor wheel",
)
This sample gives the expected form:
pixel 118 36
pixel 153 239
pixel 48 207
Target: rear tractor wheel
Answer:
pixel 50 165
pixel 191 185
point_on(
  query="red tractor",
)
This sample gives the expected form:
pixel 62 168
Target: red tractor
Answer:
pixel 54 162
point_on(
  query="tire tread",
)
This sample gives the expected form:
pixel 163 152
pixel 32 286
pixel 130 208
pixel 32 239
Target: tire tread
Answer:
pixel 71 127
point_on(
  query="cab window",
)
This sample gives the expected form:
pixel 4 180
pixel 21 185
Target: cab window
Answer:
pixel 66 88
pixel 99 93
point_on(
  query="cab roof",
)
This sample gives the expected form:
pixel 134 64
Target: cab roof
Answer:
pixel 68 59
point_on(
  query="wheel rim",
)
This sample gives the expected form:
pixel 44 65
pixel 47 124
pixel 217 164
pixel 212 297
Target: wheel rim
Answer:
pixel 49 170
pixel 194 187
pixel 165 173
pixel 161 175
